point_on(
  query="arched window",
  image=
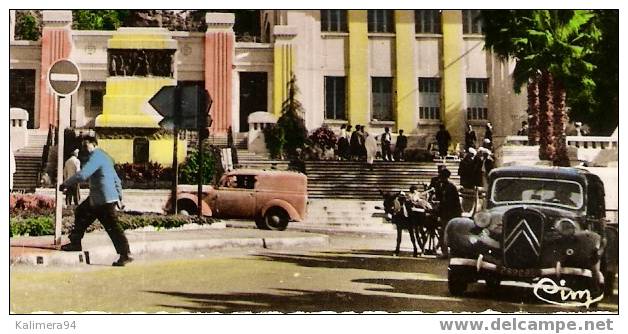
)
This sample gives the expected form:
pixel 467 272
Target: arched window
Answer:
pixel 140 150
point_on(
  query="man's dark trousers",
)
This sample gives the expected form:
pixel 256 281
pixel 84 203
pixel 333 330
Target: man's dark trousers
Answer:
pixel 85 215
pixel 386 152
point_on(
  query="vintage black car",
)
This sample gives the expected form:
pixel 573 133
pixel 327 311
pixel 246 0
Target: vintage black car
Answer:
pixel 536 223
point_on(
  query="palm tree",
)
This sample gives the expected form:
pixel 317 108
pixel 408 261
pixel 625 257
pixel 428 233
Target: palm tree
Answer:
pixel 555 43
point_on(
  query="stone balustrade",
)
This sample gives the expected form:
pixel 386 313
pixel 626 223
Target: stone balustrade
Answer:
pixel 17 123
pixel 594 142
pixel 594 150
pixel 257 122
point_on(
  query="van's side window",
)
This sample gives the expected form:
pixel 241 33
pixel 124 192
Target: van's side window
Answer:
pixel 245 182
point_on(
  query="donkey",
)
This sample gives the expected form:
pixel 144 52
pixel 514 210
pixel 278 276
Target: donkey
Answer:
pixel 399 211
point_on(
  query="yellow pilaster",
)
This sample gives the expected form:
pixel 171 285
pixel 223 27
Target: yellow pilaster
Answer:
pixel 358 76
pixel 405 77
pixel 453 88
pixel 283 65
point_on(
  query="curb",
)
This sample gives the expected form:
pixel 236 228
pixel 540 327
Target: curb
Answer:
pixel 139 249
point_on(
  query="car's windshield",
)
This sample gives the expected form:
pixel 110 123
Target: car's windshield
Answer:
pixel 535 190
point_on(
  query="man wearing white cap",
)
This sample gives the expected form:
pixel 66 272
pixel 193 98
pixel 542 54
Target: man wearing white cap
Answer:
pixel 71 167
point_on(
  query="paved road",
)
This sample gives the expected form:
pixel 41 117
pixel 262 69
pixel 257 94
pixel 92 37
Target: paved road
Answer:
pixel 356 273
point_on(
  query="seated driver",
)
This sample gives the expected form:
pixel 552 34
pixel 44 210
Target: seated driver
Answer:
pixel 417 199
pixel 563 196
pixel 231 181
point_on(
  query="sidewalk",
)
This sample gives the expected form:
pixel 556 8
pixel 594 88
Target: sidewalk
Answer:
pixel 97 247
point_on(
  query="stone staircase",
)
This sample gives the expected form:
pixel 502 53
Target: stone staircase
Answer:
pixel 355 216
pixel 240 140
pixel 354 179
pixel 247 159
pixel 28 163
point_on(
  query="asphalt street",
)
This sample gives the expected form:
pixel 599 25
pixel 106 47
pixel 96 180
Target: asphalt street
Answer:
pixel 355 273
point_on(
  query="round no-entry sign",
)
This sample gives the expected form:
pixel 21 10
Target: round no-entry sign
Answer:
pixel 64 77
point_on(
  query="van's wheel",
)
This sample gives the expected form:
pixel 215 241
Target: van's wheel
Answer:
pixel 260 222
pixel 456 281
pixel 276 219
pixel 186 207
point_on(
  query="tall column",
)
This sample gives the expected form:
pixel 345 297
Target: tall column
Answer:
pixel 358 77
pixel 219 54
pixel 56 43
pixel 283 64
pixel 405 74
pixel 453 88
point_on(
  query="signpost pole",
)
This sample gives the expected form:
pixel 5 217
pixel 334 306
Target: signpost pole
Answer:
pixel 175 160
pixel 58 194
pixel 199 124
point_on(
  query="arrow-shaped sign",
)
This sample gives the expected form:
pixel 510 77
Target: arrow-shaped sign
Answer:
pixel 194 100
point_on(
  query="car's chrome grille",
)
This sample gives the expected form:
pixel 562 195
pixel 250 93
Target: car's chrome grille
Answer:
pixel 522 237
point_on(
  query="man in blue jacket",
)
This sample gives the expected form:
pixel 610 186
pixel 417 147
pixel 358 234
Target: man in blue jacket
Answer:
pixel 105 193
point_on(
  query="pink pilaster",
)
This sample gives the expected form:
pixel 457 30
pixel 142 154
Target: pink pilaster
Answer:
pixel 56 44
pixel 219 54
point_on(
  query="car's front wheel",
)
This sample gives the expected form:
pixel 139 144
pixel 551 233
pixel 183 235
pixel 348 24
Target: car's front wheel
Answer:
pixel 276 219
pixel 456 281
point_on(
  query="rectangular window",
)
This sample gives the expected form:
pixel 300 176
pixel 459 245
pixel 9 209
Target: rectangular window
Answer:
pixel 427 21
pixel 381 98
pixel 477 99
pixel 333 20
pixel 381 21
pixel 471 22
pixel 335 96
pixel 429 98
pixel 22 84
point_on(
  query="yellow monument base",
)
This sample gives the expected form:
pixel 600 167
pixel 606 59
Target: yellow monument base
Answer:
pixel 159 150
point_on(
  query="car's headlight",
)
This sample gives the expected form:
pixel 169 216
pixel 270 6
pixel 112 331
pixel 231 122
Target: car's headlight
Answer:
pixel 482 219
pixel 566 226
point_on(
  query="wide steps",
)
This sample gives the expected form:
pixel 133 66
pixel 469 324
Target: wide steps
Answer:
pixel 26 171
pixel 357 180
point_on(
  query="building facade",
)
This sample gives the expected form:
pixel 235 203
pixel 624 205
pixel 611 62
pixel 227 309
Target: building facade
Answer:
pixel 403 69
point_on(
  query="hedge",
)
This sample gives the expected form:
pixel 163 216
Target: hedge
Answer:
pixel 44 225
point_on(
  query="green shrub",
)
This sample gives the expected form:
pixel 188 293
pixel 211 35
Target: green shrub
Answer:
pixel 45 225
pixel 188 171
pixel 28 25
pixel 34 226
